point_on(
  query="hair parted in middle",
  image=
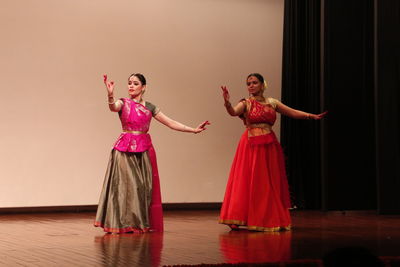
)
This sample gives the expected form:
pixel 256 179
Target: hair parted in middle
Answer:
pixel 140 76
pixel 259 77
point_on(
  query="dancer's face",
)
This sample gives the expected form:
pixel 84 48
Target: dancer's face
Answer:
pixel 135 86
pixel 254 86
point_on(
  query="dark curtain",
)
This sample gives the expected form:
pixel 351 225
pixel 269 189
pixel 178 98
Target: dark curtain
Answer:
pixel 387 100
pixel 301 90
pixel 353 71
pixel 349 158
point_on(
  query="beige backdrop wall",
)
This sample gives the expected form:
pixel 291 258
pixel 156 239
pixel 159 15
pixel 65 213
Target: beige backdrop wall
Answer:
pixel 56 130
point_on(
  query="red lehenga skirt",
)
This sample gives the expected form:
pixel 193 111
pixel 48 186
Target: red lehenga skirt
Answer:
pixel 257 193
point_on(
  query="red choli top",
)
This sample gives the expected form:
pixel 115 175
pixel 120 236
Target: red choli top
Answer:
pixel 259 119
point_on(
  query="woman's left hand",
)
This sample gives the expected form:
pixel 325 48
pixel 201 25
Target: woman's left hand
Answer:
pixel 318 116
pixel 201 127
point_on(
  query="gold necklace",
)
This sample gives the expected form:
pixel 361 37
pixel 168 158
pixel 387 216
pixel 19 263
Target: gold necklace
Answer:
pixel 258 98
pixel 137 101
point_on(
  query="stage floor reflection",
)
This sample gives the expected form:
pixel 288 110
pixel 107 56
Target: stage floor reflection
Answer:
pixel 190 237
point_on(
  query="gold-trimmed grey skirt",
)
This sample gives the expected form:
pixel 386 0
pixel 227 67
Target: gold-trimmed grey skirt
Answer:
pixel 127 193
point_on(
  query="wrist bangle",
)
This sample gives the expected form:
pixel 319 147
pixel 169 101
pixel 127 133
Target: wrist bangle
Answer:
pixel 111 100
pixel 227 104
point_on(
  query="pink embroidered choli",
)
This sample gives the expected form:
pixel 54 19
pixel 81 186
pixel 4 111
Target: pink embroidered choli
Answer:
pixel 135 119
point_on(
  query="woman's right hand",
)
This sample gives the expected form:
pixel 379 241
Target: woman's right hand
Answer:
pixel 225 93
pixel 109 85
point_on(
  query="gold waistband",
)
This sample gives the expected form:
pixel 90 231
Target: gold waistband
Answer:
pixel 134 132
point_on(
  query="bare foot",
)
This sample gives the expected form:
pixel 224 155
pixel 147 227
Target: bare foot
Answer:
pixel 234 227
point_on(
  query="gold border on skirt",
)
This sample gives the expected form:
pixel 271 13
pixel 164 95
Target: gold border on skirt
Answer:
pixel 257 228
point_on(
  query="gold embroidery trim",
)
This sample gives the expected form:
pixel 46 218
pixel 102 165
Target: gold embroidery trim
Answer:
pixel 269 229
pixel 243 223
pixel 134 132
pixel 257 228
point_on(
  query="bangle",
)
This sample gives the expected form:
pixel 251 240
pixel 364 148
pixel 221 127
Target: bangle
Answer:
pixel 111 97
pixel 308 116
pixel 228 104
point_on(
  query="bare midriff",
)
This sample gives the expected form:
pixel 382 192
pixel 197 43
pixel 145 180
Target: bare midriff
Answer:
pixel 258 129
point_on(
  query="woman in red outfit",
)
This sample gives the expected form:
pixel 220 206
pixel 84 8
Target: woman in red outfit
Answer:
pixel 257 194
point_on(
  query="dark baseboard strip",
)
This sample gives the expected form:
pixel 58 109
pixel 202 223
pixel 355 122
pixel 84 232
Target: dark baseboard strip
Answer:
pixel 193 206
pixel 90 208
pixel 48 209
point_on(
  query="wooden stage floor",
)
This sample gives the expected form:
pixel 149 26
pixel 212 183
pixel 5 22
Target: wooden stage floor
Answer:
pixel 190 237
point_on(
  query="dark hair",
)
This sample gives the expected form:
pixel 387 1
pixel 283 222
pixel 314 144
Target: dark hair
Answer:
pixel 140 76
pixel 257 75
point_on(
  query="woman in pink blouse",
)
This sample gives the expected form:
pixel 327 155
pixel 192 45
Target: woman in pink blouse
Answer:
pixel 131 199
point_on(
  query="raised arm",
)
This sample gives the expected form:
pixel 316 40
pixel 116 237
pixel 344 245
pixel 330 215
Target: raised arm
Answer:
pixel 112 104
pixel 177 126
pixel 233 111
pixel 298 114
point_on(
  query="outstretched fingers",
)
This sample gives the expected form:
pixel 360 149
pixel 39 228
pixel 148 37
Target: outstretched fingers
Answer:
pixel 201 127
pixel 323 114
pixel 109 84
pixel 318 116
pixel 225 93
pixel 204 124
